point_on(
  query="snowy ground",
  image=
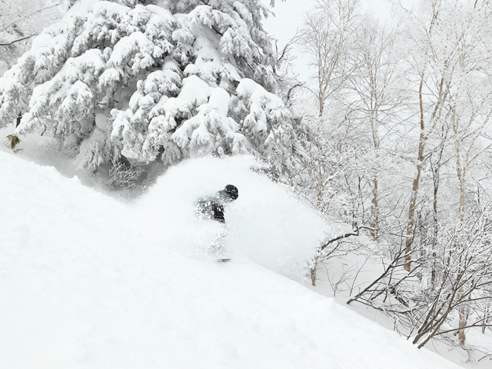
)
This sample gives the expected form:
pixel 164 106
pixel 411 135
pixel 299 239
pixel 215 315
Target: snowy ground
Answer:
pixel 90 282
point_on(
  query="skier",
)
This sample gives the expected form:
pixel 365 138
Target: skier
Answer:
pixel 212 207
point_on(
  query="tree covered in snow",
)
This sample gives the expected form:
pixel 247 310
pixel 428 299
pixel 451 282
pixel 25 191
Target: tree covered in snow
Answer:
pixel 149 81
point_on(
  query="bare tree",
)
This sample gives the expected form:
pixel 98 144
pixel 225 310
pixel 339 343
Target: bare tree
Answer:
pixel 449 60
pixel 432 64
pixel 283 69
pixel 327 37
pixel 375 87
pixel 463 282
pixel 332 171
pixel 471 114
pixel 335 248
pixel 22 20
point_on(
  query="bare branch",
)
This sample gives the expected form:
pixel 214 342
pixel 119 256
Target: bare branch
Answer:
pixel 19 40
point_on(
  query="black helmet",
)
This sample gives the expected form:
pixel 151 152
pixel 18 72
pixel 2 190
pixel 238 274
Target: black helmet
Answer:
pixel 232 191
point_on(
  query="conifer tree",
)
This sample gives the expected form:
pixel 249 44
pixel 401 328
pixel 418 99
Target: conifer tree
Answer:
pixel 149 81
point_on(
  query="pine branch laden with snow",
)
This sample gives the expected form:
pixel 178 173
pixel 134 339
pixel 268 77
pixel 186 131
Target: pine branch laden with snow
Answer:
pixel 152 82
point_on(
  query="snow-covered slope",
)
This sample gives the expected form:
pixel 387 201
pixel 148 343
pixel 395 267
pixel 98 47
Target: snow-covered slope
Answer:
pixel 89 282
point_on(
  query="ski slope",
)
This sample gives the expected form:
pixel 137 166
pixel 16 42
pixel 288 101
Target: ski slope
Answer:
pixel 87 281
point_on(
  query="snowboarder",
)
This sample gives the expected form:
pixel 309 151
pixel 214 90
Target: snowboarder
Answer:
pixel 212 207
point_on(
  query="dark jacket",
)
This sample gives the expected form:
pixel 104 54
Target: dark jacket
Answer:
pixel 212 207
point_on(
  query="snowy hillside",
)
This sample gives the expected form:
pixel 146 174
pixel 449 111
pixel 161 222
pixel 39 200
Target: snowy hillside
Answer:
pixel 90 282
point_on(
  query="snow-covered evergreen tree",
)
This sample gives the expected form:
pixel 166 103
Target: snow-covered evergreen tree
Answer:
pixel 152 80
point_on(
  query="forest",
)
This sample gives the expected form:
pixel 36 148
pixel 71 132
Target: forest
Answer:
pixel 391 135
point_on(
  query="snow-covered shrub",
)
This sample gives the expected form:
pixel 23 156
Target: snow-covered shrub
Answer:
pixel 152 81
pixel 125 176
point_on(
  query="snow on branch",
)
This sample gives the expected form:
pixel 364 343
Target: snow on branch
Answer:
pixel 172 80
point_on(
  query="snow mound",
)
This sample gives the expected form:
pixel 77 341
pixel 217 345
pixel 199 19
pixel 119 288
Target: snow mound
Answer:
pixel 89 282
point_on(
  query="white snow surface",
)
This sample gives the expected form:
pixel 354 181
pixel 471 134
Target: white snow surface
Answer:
pixel 87 281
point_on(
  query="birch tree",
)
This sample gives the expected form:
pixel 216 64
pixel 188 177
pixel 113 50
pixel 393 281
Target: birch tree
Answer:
pixel 376 87
pixel 327 38
pixel 449 62
pixel 470 109
pixel 431 61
